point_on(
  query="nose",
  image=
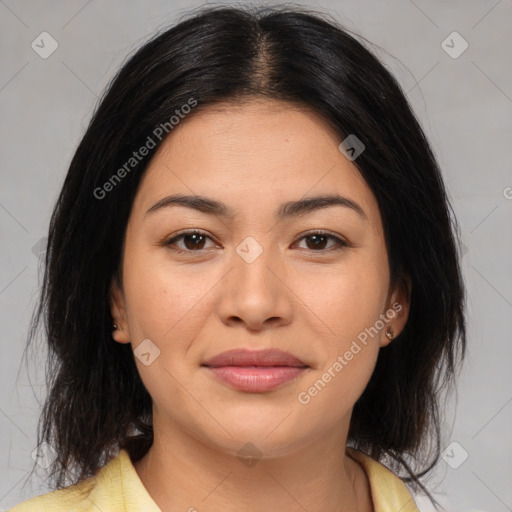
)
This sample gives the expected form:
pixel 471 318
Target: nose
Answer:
pixel 255 294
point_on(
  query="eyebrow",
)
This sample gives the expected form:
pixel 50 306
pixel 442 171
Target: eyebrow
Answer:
pixel 288 209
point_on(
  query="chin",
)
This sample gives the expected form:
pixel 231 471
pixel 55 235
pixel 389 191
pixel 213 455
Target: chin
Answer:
pixel 267 434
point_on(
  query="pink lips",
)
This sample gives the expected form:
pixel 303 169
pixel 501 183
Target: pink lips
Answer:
pixel 255 371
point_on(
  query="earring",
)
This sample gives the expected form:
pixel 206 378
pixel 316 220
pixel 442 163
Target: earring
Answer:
pixel 114 326
pixel 389 334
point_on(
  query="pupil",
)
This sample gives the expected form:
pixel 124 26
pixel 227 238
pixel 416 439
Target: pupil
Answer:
pixel 316 240
pixel 196 241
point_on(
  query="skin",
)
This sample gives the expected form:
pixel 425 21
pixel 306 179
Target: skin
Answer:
pixel 312 303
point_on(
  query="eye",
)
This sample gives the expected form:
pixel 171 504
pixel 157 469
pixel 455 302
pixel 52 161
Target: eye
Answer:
pixel 193 241
pixel 317 241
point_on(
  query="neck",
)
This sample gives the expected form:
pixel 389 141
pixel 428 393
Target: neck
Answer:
pixel 180 472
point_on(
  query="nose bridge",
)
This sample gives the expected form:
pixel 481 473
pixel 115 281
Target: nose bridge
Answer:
pixel 251 264
pixel 254 291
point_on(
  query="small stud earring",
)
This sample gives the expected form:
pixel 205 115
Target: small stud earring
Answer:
pixel 389 334
pixel 114 326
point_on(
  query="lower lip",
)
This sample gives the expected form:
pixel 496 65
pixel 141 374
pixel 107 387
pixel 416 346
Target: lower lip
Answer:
pixel 256 379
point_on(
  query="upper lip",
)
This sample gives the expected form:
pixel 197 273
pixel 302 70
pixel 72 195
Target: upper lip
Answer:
pixel 246 357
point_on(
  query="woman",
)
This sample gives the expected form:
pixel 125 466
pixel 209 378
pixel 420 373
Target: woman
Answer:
pixel 252 292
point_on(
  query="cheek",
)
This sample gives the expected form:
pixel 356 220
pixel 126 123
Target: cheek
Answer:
pixel 348 302
pixel 346 357
pixel 163 300
pixel 333 391
pixel 168 307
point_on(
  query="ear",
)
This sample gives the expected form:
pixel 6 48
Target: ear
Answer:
pixel 118 312
pixel 397 310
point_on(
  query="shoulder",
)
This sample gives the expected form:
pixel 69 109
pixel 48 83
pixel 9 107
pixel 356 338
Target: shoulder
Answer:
pixel 66 499
pixel 389 492
pixel 105 488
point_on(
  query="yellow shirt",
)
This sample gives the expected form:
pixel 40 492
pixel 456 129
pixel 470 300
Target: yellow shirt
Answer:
pixel 117 488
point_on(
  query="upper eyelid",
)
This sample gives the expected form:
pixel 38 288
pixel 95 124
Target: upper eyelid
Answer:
pixel 189 232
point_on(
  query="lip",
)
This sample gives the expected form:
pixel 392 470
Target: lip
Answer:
pixel 255 371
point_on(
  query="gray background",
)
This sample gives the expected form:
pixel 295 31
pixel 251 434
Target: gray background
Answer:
pixel 464 104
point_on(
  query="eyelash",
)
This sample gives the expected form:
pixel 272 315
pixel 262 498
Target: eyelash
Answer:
pixel 169 243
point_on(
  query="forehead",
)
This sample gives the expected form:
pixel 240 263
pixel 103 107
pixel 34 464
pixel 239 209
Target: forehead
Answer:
pixel 257 153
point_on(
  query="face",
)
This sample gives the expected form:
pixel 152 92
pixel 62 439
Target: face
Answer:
pixel 257 265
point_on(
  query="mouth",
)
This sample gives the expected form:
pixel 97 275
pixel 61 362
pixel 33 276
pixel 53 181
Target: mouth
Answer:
pixel 255 371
